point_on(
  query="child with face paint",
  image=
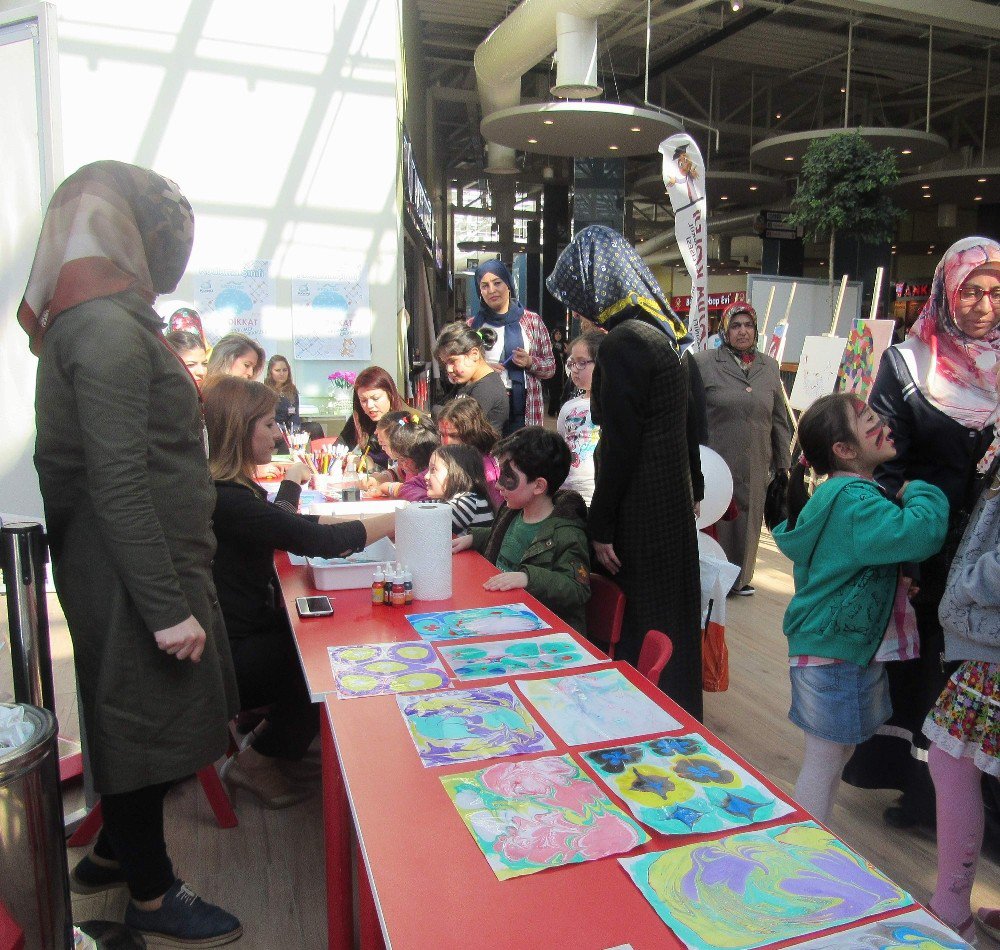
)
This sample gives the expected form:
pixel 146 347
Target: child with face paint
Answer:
pixel 539 538
pixel 846 543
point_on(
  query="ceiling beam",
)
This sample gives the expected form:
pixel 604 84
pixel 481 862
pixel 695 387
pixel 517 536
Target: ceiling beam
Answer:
pixel 961 16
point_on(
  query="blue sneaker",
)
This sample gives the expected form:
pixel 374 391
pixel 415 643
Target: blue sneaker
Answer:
pixel 184 920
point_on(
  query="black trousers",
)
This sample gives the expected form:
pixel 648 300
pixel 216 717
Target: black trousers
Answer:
pixel 132 835
pixel 268 674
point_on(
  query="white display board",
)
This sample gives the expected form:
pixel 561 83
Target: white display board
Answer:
pixel 818 368
pixel 810 313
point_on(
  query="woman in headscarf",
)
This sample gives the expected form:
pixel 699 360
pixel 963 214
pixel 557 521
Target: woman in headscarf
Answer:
pixel 748 426
pixel 128 500
pixel 642 513
pixel 938 392
pixel 523 347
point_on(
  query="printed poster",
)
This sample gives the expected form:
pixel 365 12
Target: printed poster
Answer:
pixel 332 319
pixel 234 301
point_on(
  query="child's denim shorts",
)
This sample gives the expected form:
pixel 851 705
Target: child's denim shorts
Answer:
pixel 840 702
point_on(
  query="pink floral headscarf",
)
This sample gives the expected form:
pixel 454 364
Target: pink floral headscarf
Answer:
pixel 961 380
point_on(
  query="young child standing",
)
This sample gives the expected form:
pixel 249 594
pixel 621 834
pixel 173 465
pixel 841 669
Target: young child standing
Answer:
pixel 846 543
pixel 462 351
pixel 455 475
pixel 964 726
pixel 575 423
pixel 539 540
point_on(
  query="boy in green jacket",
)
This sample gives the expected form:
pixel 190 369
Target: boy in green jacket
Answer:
pixel 538 540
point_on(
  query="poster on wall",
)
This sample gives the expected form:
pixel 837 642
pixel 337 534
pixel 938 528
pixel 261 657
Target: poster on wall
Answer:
pixel 234 301
pixel 331 319
pixel 818 368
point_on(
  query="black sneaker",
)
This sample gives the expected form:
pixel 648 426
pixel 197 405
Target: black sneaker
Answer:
pixel 185 920
pixel 747 590
pixel 89 877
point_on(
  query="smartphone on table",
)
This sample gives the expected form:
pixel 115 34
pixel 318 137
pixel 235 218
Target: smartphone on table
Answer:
pixel 314 606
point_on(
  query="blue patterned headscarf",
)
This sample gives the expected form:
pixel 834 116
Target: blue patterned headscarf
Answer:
pixel 601 277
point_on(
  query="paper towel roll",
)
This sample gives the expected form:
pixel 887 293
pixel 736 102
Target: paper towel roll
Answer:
pixel 423 546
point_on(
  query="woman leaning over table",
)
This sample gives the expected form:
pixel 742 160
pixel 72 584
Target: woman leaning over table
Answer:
pixel 642 513
pixel 375 394
pixel 236 355
pixel 937 391
pixel 128 506
pixel 239 416
pixel 748 426
pixel 523 347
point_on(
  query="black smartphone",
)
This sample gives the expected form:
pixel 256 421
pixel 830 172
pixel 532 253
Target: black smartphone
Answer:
pixel 313 606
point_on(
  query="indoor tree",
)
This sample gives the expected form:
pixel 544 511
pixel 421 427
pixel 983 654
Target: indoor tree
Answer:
pixel 843 189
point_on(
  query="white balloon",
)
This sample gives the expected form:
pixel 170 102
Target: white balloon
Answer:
pixel 718 487
pixel 709 547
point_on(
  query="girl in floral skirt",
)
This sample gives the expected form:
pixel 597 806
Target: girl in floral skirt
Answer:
pixel 964 726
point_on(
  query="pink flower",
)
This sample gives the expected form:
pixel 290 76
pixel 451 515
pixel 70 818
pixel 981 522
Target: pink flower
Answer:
pixel 609 834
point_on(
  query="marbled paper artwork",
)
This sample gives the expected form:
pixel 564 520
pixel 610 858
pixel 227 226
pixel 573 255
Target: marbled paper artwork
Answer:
pixel 542 813
pixel 468 725
pixel 681 785
pixel 759 887
pixel 373 669
pixel 476 622
pixel 597 706
pixel 555 651
pixel 916 930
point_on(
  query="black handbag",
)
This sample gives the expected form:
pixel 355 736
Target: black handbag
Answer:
pixel 776 500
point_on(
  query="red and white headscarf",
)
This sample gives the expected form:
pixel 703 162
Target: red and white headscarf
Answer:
pixel 110 227
pixel 960 378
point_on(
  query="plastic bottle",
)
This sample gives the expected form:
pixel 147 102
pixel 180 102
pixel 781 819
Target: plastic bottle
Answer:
pixel 378 586
pixel 408 585
pixel 398 589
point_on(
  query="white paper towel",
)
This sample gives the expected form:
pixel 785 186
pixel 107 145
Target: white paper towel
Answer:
pixel 423 546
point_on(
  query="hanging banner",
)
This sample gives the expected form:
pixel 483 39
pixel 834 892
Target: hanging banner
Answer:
pixel 684 178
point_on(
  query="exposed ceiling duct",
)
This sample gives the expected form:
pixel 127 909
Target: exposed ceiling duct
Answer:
pixel 518 44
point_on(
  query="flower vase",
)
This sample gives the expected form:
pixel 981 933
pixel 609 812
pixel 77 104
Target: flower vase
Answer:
pixel 341 400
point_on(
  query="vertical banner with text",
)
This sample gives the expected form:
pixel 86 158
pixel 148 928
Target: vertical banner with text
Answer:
pixel 684 178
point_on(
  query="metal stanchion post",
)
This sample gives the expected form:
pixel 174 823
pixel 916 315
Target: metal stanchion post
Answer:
pixel 22 558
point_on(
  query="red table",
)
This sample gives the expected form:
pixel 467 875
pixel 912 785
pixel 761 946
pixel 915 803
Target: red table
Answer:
pixel 421 868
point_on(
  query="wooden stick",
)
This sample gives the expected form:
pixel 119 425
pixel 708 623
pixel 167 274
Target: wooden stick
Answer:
pixel 876 292
pixel 767 312
pixel 840 303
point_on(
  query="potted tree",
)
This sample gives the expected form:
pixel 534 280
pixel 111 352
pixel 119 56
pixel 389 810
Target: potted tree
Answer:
pixel 843 190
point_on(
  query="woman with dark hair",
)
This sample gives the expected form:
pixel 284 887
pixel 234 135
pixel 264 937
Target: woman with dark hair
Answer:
pixel 748 426
pixel 523 348
pixel 239 416
pixel 937 391
pixel 642 513
pixel 128 508
pixel 189 348
pixel 375 394
pixel 462 351
pixel 236 355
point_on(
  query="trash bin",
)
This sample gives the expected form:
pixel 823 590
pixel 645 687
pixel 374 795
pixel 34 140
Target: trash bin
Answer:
pixel 34 883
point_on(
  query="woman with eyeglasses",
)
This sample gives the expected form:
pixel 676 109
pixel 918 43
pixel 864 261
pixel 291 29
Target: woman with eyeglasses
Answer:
pixel 575 423
pixel 748 426
pixel 937 390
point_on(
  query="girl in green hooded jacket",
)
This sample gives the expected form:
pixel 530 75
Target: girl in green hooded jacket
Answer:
pixel 846 543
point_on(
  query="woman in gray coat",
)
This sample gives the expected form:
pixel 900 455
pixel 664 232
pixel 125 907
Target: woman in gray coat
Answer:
pixel 128 500
pixel 748 426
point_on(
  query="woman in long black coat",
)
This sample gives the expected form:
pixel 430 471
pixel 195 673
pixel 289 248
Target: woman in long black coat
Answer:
pixel 642 521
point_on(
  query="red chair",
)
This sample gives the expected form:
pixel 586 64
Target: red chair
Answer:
pixel 215 792
pixel 656 651
pixel 605 611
